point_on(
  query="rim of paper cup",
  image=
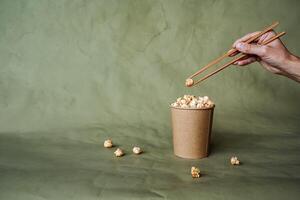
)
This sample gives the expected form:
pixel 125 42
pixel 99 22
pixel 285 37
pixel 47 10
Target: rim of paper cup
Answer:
pixel 193 108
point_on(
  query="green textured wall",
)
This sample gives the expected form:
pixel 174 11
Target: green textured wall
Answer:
pixel 66 64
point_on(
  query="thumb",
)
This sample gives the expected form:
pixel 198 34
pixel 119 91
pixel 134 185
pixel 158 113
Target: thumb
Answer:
pixel 250 48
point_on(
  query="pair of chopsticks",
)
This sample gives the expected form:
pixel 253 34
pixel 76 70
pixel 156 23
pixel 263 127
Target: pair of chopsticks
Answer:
pixel 228 53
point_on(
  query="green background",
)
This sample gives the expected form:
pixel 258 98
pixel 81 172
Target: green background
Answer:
pixel 73 73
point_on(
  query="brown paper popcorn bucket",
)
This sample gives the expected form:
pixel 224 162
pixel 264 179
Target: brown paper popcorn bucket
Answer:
pixel 191 131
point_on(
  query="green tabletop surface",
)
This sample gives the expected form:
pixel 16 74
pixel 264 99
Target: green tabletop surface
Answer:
pixel 45 168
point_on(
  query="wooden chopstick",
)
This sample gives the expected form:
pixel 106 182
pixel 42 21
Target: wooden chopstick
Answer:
pixel 233 50
pixel 238 58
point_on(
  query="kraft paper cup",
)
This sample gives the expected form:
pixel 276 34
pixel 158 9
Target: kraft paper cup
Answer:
pixel 191 131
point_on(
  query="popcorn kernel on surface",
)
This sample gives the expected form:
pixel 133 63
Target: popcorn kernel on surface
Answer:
pixel 234 160
pixel 137 150
pixel 108 143
pixel 119 152
pixel 195 172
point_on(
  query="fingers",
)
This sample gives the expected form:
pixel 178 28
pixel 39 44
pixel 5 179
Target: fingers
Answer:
pixel 251 49
pixel 246 61
pixel 244 38
pixel 233 54
pixel 260 40
pixel 266 36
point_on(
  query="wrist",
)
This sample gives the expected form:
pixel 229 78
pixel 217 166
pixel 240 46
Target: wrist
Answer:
pixel 292 67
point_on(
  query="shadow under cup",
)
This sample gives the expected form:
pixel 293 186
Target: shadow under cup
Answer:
pixel 192 131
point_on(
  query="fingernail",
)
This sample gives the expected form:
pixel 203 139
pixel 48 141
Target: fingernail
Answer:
pixel 239 45
pixel 238 63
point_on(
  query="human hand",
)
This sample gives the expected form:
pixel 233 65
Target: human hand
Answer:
pixel 274 56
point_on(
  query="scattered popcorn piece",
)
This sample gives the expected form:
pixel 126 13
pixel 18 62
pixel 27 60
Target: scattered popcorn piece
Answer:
pixel 189 82
pixel 108 143
pixel 193 102
pixel 195 172
pixel 119 152
pixel 234 161
pixel 137 150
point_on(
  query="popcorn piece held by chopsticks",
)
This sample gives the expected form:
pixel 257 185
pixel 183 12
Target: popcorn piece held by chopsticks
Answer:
pixel 137 150
pixel 119 152
pixel 108 143
pixel 189 82
pixel 195 172
pixel 234 160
